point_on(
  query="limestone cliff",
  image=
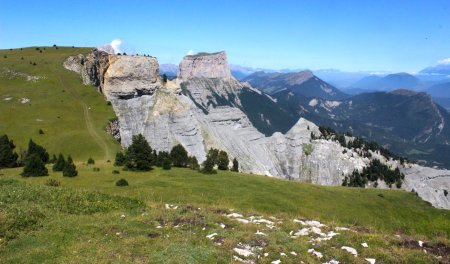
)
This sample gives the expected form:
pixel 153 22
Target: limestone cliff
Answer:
pixel 203 108
pixel 204 65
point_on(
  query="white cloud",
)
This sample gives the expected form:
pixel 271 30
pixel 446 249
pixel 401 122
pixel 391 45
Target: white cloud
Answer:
pixel 115 44
pixel 444 61
pixel 191 52
pixel 113 48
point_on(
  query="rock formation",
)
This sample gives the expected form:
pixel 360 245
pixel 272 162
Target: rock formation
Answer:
pixel 203 109
pixel 204 65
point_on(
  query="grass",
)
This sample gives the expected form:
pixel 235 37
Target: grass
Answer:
pixel 72 116
pixel 88 219
pixel 84 213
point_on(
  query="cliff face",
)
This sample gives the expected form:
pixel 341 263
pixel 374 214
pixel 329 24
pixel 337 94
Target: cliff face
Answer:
pixel 204 65
pixel 130 76
pixel 117 76
pixel 203 109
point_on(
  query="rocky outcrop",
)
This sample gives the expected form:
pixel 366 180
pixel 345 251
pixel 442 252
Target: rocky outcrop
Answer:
pixel 204 65
pixel 90 67
pixel 130 76
pixel 201 110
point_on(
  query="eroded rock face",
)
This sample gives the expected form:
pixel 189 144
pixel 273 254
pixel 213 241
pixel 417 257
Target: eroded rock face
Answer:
pixel 204 65
pixel 201 112
pixel 130 76
pixel 90 67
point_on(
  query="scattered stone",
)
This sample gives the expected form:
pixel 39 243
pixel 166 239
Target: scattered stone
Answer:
pixel 243 252
pixel 222 225
pixel 333 261
pixel 7 99
pixel 371 260
pixel 276 261
pixel 211 236
pixel 339 228
pixel 420 243
pixel 24 100
pixel 350 250
pixel 235 215
pixel 364 245
pixel 283 254
pixel 260 233
pixel 315 253
pixel 293 253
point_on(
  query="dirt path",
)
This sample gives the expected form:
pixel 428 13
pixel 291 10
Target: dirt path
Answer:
pixel 87 118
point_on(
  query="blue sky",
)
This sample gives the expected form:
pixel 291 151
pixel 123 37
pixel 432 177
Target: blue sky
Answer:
pixel 360 35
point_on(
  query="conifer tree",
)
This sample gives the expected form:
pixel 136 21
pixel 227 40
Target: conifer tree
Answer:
pixel 34 148
pixel 222 160
pixel 235 165
pixel 139 154
pixel 120 159
pixel 69 169
pixel 8 158
pixel 193 163
pixel 34 167
pixel 179 156
pixel 60 163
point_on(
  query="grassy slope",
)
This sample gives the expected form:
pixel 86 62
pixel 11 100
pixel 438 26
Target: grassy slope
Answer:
pixel 80 222
pixel 397 212
pixel 60 100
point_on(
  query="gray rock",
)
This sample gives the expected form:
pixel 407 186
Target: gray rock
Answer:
pixel 204 65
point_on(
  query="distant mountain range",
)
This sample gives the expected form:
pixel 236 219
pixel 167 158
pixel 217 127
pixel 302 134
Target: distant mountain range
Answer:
pixel 407 122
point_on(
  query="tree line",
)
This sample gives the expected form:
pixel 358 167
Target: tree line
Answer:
pixel 140 156
pixel 33 159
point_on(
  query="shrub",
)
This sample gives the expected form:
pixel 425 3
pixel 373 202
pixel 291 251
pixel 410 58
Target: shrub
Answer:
pixel 90 161
pixel 60 163
pixel 121 183
pixel 52 182
pixel 445 193
pixel 307 149
pixel 96 169
pixel 41 132
pixel 69 169
pixel 167 164
pixel 34 166
pixel 115 172
pixel 108 103
pixel 5 56
pixel 179 156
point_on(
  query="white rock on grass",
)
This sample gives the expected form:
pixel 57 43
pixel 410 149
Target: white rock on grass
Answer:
pixel 333 261
pixel 243 252
pixel 222 225
pixel 293 253
pixel 242 220
pixel 350 250
pixel 234 215
pixel 211 236
pixel 420 243
pixel 314 223
pixel 339 228
pixel 315 253
pixel 260 233
pixel 364 245
pixel 276 261
pixel 371 260
pixel 283 254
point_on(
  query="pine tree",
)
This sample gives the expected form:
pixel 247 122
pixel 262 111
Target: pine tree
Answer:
pixel 8 158
pixel 222 160
pixel 162 156
pixel 34 167
pixel 120 159
pixel 167 164
pixel 193 163
pixel 235 165
pixel 139 154
pixel 60 163
pixel 53 159
pixel 69 169
pixel 208 166
pixel 34 148
pixel 179 156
